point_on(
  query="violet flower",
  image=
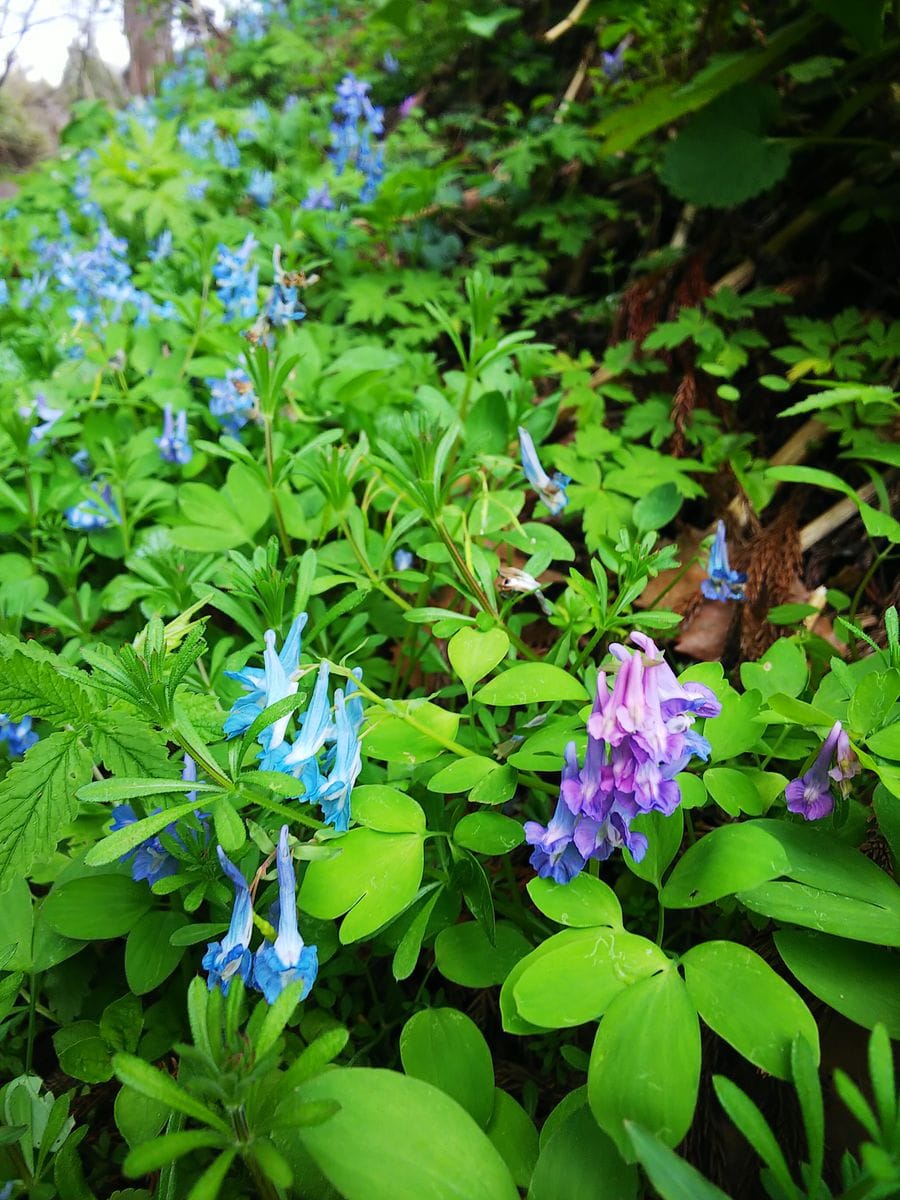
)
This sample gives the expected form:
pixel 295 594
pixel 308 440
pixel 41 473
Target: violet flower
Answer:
pixel 811 795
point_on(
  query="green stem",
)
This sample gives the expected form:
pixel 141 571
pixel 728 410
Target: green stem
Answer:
pixel 866 580
pixel 33 986
pixel 380 584
pixel 283 535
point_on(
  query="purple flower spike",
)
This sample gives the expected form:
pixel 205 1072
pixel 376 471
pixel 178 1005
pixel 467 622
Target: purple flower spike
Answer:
pixel 811 795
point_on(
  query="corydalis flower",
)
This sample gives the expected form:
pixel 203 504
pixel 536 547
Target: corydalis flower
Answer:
pixel 223 960
pixel 231 400
pixel 722 583
pixel 639 740
pixel 46 415
pixel 811 795
pixel 152 861
pixel 403 560
pixel 287 960
pixel 552 490
pixel 18 735
pixel 263 687
pixel 173 443
pixel 237 279
pixel 514 580
pixel 261 188
pixel 162 247
pixel 97 512
pixel 318 198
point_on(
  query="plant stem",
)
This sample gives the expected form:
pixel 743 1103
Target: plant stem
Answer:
pixel 273 491
pixel 33 986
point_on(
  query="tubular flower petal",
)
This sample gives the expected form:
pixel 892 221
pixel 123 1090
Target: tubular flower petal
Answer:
pixel 223 960
pixel 552 490
pixel 811 795
pixel 287 960
pixel 722 583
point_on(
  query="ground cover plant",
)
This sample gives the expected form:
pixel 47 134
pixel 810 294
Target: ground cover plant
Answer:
pixel 448 614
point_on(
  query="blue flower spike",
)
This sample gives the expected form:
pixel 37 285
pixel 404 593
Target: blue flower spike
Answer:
pixel 287 960
pixel 551 489
pixel 722 583
pixel 223 960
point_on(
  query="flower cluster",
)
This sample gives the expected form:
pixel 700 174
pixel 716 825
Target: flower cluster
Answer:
pixel 551 489
pixel 151 860
pixel 173 443
pixel 357 121
pixel 639 739
pixel 276 964
pixel 811 795
pixel 231 400
pixel 97 512
pixel 237 279
pixel 261 188
pixel 324 757
pixel 722 583
pixel 318 198
pixel 45 414
pixel 18 735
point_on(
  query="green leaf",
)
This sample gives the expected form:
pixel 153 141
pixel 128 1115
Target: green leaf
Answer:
pixel 143 1078
pixel 373 879
pixel 150 955
pixel 138 1118
pixel 409 1140
pixel 664 834
pixel 574 977
pixel 734 730
pixel 464 955
pixel 749 1120
pixel 82 1052
pixel 860 982
pixel 407 738
pixel 98 906
pixel 721 157
pixel 445 1048
pixel 210 1182
pixel 734 791
pixel 871 701
pixel 496 787
pixel 657 507
pixel 531 683
pixel 886 741
pixel 719 863
pixel 742 999
pixel 645 1064
pixel 672 1177
pixel 783 668
pixel 488 833
pixel 512 1132
pixel 387 810
pixel 585 901
pixel 126 746
pixel 462 775
pixel 485 26
pixel 579 1160
pixel 846 916
pixel 153 1155
pixel 121 841
pixel 473 654
pixel 121 1023
pixel 37 799
pixel 46 688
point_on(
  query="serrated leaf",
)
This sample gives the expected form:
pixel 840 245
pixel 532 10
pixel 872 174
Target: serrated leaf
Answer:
pixel 125 745
pixel 37 798
pixel 36 687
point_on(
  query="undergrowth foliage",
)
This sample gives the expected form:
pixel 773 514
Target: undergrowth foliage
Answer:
pixel 449 654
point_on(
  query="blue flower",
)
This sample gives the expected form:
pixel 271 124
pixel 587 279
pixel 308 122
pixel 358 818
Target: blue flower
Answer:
pixel 315 730
pixel 612 63
pixel 223 960
pixel 390 63
pixel 227 154
pixel 276 679
pixel 261 188
pixel 46 415
pixel 152 861
pixel 552 490
pixel 334 793
pixel 81 461
pixel 318 198
pixel 94 513
pixel 18 735
pixel 231 400
pixel 723 583
pixel 173 442
pixel 287 960
pixel 162 247
pixel 197 189
pixel 237 279
pixel 403 560
pixel 283 305
pixel 356 122
pixel 4 293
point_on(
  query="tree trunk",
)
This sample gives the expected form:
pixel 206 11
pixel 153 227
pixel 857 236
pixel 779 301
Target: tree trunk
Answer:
pixel 148 27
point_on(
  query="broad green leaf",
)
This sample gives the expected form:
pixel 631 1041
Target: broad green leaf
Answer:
pixel 734 791
pixel 783 668
pixel 138 1118
pixel 872 700
pixel 462 775
pixel 531 683
pixel 645 1064
pixel 513 1133
pixel 445 1048
pixel 496 787
pixel 664 834
pixel 128 747
pixel 121 1023
pixel 742 999
pixel 585 901
pixel 373 879
pixel 886 742
pixel 734 730
pixel 473 654
pixel 83 1053
pixel 418 735
pixel 725 861
pixel 826 911
pixel 488 833
pixel 96 906
pixel 579 1160
pixel 150 955
pixel 575 979
pixel 387 810
pixel 464 955
pixel 410 1141
pixel 37 799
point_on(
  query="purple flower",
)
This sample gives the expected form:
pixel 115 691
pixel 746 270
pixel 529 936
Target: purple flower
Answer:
pixel 639 739
pixel 811 795
pixel 722 583
pixel 318 198
pixel 173 443
pixel 552 490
